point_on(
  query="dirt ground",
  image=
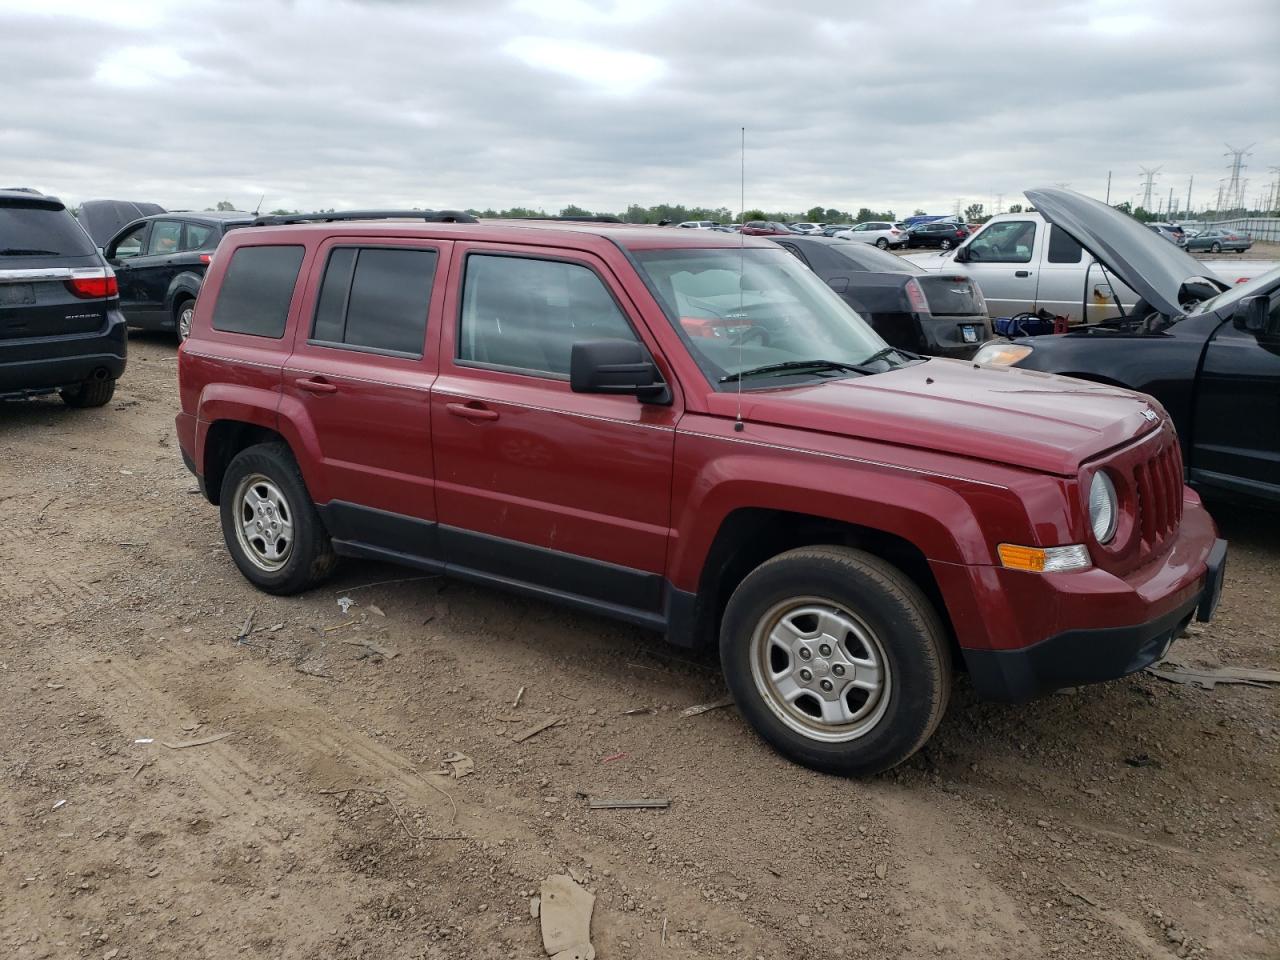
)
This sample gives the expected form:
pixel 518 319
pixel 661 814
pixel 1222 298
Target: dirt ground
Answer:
pixel 1133 819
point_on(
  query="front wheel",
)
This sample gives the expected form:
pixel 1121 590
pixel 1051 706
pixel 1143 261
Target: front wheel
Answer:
pixel 837 659
pixel 945 244
pixel 270 523
pixel 1215 247
pixel 882 243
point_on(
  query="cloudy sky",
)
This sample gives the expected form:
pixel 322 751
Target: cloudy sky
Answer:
pixel 445 103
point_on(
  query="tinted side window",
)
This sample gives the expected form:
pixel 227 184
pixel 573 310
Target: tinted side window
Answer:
pixel 376 298
pixel 1062 248
pixel 526 314
pixel 166 237
pixel 256 290
pixel 1010 241
pixel 196 236
pixel 130 245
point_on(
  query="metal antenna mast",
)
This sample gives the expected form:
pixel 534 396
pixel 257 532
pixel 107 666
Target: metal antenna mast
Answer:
pixel 1148 181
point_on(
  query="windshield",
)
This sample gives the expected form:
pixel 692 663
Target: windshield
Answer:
pixel 1229 298
pixel 740 311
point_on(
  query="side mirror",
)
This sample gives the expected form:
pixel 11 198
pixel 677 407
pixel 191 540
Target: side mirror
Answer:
pixel 615 366
pixel 1251 314
pixel 962 254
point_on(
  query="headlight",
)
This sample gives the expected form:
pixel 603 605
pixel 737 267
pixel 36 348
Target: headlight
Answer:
pixel 1002 354
pixel 1102 507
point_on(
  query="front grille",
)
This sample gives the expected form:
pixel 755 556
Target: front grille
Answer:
pixel 1157 482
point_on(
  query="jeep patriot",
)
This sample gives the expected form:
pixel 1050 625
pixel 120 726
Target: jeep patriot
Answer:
pixel 689 431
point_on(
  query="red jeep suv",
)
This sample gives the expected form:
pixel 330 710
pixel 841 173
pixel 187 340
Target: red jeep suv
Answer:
pixel 691 432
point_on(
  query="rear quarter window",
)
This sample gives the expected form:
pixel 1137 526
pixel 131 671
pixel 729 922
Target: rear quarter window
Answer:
pixel 256 290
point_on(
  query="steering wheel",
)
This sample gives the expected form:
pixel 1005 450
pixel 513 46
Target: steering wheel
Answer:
pixel 753 332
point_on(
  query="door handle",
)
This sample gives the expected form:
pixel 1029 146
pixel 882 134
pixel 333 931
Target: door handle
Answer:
pixel 469 412
pixel 315 386
pixel 1022 273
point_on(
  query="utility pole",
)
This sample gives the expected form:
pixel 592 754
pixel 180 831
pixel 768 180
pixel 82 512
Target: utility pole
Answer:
pixel 1218 208
pixel 1169 209
pixel 1189 183
pixel 1148 181
pixel 1108 188
pixel 999 203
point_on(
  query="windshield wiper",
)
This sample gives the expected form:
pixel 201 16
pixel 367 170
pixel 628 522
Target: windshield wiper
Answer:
pixel 787 365
pixel 25 252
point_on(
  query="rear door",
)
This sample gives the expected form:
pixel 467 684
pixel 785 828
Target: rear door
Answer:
pixel 361 374
pixel 43 253
pixel 1004 259
pixel 153 271
pixel 566 492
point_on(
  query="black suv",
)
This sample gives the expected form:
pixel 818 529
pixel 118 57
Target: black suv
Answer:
pixel 936 234
pixel 161 260
pixel 61 329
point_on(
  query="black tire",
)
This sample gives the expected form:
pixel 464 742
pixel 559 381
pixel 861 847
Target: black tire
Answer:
pixel 945 244
pixel 309 558
pixel 1215 247
pixel 181 320
pixel 882 243
pixel 894 615
pixel 91 393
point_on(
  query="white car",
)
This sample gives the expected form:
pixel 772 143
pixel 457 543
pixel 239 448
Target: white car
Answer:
pixel 806 228
pixel 880 232
pixel 697 224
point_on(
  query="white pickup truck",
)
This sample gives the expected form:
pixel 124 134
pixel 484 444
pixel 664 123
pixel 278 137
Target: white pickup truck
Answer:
pixel 1023 264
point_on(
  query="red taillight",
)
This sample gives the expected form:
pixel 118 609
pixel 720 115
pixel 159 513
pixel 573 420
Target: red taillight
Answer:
pixel 894 230
pixel 915 295
pixel 206 258
pixel 93 284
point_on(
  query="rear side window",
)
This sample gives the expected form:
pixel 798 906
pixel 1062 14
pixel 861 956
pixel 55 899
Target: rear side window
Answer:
pixel 1062 248
pixel 35 230
pixel 197 235
pixel 256 290
pixel 166 237
pixel 375 298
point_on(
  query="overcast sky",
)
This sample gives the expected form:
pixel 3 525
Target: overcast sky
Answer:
pixel 886 103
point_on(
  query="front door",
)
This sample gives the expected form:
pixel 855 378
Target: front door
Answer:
pixel 1002 258
pixel 121 252
pixel 567 494
pixel 1236 437
pixel 361 372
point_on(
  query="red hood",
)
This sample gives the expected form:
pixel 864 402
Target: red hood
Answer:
pixel 1023 418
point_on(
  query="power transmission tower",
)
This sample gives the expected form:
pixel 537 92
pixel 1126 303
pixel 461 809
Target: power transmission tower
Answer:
pixel 1168 211
pixel 1000 201
pixel 1148 181
pixel 1275 189
pixel 1235 189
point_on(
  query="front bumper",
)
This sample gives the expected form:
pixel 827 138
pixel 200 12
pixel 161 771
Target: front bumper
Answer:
pixel 34 365
pixel 1091 655
pixel 1025 634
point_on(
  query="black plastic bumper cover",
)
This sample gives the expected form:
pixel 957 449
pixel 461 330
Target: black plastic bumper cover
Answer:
pixel 35 365
pixel 1091 656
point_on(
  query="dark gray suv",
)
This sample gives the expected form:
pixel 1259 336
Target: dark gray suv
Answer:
pixel 61 330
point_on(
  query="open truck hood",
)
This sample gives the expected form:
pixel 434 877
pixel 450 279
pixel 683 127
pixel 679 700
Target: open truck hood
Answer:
pixel 1154 268
pixel 102 218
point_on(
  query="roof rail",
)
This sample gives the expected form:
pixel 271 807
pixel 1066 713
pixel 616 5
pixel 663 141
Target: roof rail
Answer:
pixel 600 218
pixel 430 216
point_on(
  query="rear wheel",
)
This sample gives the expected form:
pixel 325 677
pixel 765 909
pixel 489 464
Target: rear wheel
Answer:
pixel 182 315
pixel 1215 247
pixel 91 393
pixel 882 243
pixel 270 524
pixel 945 244
pixel 836 659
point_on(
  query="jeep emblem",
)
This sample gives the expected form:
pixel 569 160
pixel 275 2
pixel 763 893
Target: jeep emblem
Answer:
pixel 1150 415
